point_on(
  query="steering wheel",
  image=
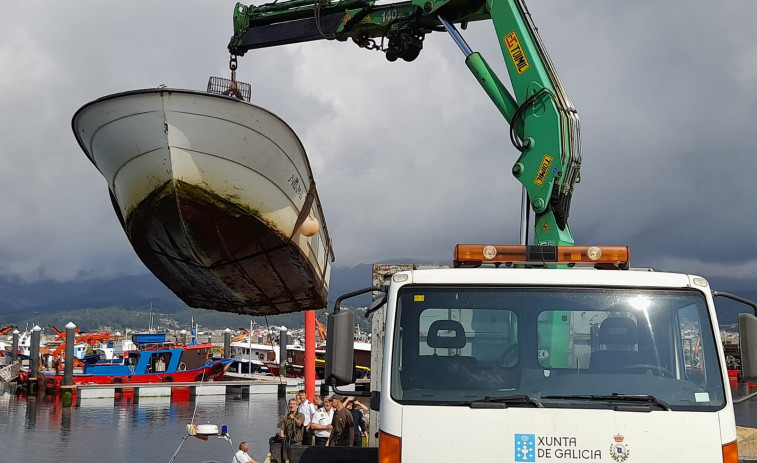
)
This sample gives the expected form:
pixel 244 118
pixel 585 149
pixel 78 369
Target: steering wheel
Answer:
pixel 501 359
pixel 656 370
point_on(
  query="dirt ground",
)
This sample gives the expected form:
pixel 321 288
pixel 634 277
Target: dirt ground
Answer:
pixel 747 440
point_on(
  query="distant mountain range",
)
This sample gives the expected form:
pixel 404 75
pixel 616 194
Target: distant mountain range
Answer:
pixel 128 300
pixel 56 303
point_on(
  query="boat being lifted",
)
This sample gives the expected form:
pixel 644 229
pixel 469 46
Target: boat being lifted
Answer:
pixel 216 196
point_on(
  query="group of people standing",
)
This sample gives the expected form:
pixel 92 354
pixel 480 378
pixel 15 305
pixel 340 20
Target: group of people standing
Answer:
pixel 332 421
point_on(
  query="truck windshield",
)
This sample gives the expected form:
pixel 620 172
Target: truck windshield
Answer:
pixel 563 347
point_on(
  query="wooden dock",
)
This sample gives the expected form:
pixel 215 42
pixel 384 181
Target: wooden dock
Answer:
pixel 100 394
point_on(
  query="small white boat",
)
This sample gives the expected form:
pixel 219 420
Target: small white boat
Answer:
pixel 216 196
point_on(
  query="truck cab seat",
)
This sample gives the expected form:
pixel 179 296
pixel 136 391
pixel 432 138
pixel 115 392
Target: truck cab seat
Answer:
pixel 450 370
pixel 619 336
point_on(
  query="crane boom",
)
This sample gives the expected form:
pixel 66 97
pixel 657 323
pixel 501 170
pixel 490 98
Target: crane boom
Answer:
pixel 544 124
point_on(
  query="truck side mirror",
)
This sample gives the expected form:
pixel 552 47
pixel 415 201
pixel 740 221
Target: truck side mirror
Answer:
pixel 376 401
pixel 748 346
pixel 340 368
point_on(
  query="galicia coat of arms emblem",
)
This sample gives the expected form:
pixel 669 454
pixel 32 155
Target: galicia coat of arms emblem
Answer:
pixel 619 450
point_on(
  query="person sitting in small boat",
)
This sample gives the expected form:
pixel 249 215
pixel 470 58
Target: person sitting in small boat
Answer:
pixel 242 456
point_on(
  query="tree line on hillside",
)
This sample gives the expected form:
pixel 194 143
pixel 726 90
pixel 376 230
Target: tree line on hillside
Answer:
pixel 119 318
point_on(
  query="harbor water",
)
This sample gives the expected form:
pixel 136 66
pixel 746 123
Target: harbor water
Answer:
pixel 40 428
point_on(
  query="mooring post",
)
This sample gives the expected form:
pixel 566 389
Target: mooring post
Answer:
pixel 227 343
pixel 68 372
pixel 283 341
pixel 34 359
pixel 14 353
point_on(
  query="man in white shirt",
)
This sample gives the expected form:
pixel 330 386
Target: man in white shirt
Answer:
pixel 241 456
pixel 308 410
pixel 321 424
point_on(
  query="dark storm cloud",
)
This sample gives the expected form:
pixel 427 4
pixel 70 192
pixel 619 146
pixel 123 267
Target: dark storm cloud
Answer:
pixel 409 158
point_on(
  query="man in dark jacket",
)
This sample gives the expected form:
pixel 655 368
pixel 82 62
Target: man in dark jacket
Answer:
pixel 342 424
pixel 358 418
pixel 290 427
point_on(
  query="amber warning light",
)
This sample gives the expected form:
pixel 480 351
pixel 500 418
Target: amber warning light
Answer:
pixel 473 255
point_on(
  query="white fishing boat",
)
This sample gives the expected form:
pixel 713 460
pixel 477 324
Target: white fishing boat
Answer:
pixel 249 358
pixel 216 196
pixel 24 343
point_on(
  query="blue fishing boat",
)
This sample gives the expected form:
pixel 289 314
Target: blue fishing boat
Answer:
pixel 154 362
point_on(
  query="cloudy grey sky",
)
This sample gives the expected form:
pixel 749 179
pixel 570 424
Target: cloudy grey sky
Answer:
pixel 409 158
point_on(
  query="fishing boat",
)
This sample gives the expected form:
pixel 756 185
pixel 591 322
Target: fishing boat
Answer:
pixel 362 356
pixel 24 343
pixel 160 364
pixel 295 363
pixel 248 358
pixel 216 196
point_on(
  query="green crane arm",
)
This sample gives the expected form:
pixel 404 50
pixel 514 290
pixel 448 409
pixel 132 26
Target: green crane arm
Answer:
pixel 544 125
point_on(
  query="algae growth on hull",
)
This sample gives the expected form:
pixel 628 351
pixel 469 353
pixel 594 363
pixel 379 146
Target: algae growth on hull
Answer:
pixel 216 254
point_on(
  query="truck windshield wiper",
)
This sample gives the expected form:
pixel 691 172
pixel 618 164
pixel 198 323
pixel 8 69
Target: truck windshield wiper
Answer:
pixel 616 396
pixel 501 402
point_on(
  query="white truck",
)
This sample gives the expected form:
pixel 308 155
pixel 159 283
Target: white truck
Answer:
pixel 518 362
pixel 521 358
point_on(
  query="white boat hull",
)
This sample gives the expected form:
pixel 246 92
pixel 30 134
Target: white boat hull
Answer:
pixel 212 193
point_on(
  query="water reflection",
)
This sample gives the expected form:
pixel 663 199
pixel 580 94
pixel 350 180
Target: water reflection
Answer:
pixel 65 425
pixel 41 428
pixel 38 429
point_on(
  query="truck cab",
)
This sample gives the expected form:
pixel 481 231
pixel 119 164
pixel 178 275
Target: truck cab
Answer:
pixel 551 364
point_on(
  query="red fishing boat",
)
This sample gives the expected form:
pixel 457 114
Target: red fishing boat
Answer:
pixel 160 364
